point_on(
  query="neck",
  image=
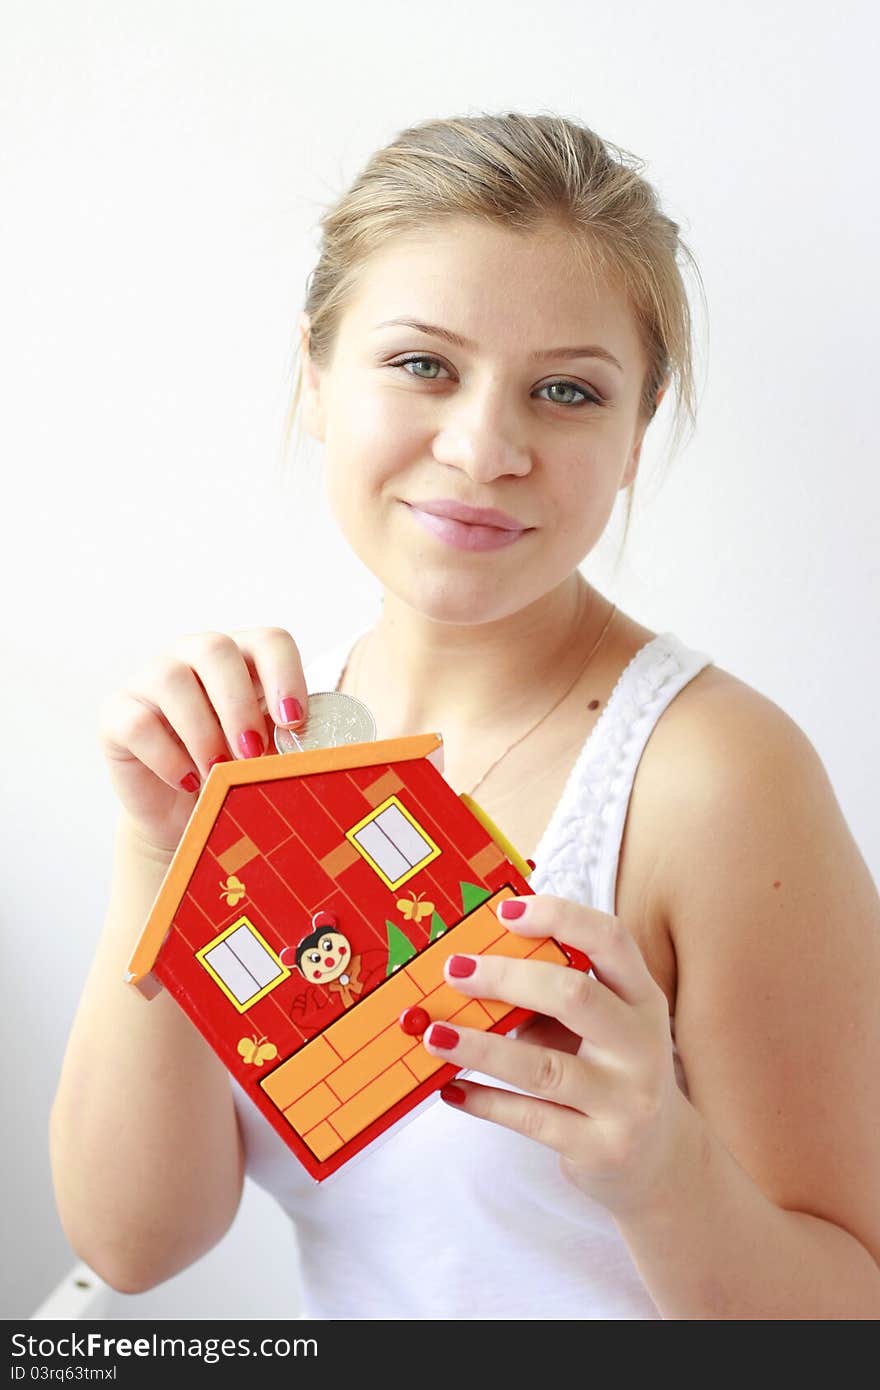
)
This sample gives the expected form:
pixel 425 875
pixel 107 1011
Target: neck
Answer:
pixel 471 681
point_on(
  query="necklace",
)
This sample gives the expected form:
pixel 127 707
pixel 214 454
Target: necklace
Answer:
pixel 546 715
pixel 567 691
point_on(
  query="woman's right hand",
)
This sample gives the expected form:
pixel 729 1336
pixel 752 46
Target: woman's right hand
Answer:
pixel 209 697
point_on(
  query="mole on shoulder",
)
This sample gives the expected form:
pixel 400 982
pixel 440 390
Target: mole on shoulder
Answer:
pixel 594 704
pixel 778 883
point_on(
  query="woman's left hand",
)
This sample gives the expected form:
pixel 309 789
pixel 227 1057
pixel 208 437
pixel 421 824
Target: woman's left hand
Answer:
pixel 612 1109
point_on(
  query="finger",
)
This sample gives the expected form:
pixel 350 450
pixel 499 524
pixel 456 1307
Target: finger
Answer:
pixel 171 692
pixel 273 659
pixel 552 1125
pixel 219 665
pixel 584 1005
pixel 613 951
pixel 134 730
pixel 567 1080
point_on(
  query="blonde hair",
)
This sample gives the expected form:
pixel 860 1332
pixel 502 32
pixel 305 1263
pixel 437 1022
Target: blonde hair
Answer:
pixel 520 172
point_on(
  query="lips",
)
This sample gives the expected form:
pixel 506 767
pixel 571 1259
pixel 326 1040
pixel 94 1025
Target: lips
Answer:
pixel 467 535
pixel 470 516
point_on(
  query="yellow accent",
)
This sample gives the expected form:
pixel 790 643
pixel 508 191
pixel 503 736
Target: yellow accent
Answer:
pixel 416 868
pixel 498 836
pixel 257 1050
pixel 233 890
pixel 283 972
pixel 413 909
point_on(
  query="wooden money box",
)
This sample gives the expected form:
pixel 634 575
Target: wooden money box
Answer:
pixel 304 922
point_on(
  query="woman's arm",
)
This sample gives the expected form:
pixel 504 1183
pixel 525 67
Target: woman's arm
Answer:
pixel 145 1149
pixel 774 1210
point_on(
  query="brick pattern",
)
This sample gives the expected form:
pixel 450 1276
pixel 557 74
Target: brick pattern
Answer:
pixel 389 784
pixel 345 1079
pixel 485 860
pixel 239 854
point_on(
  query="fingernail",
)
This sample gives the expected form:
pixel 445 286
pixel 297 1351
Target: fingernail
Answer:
pixel 190 782
pixel 250 743
pixel 512 908
pixel 221 758
pixel 441 1036
pixel 453 1094
pixel 291 711
pixel 461 966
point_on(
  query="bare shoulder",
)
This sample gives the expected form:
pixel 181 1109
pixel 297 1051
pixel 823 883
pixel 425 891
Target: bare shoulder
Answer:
pixel 730 785
pixel 717 718
pixel 773 919
pixel 727 766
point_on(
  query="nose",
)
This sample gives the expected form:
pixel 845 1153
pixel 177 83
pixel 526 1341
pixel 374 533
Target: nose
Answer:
pixel 483 435
pixel 329 961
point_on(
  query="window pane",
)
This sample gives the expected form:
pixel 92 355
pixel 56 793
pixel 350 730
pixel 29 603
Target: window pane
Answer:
pixel 411 844
pixel 239 981
pixel 253 957
pixel 380 848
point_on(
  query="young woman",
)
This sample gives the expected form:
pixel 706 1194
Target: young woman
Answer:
pixel 690 1132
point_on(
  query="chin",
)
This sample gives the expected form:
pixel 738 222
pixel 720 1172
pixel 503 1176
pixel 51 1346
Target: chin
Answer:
pixel 458 599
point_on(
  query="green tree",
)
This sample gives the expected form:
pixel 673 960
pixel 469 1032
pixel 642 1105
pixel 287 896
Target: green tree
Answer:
pixel 472 896
pixel 438 927
pixel 400 948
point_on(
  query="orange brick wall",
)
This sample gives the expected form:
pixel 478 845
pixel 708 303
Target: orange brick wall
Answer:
pixel 339 1083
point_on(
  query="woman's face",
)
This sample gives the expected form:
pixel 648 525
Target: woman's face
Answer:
pixel 508 418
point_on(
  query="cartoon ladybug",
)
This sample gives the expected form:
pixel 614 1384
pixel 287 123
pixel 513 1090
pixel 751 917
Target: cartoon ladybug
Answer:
pixel 324 958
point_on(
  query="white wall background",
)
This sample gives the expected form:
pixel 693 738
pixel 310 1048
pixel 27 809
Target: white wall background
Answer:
pixel 163 165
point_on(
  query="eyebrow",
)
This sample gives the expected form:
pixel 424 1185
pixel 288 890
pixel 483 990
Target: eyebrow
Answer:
pixel 587 350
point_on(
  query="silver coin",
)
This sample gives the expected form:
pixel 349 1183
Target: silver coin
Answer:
pixel 333 719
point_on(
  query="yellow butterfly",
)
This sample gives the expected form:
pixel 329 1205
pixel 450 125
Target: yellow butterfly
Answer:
pixel 412 911
pixel 233 890
pixel 257 1050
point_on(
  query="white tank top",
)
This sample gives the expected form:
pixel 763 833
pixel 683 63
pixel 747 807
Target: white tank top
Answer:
pixel 448 1216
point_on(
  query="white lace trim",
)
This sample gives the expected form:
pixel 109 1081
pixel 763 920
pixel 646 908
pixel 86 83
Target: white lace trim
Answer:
pixel 579 840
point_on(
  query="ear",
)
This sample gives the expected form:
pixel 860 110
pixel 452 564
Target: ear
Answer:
pixel 632 467
pixel 311 404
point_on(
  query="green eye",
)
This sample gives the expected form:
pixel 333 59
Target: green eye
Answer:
pixel 423 361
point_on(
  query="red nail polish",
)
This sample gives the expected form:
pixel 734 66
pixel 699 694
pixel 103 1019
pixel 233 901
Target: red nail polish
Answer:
pixel 441 1036
pixel 221 758
pixel 453 1094
pixel 190 782
pixel 250 743
pixel 461 966
pixel 511 908
pixel 291 711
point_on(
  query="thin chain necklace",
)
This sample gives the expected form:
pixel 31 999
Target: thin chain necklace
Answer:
pixel 546 715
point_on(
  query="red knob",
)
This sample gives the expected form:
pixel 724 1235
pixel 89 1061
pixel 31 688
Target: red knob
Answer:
pixel 415 1021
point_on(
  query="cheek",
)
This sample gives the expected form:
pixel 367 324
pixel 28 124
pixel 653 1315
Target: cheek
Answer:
pixel 586 483
pixel 370 461
pixel 371 435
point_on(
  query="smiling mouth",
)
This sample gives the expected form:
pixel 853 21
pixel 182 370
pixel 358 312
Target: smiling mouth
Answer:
pixel 466 535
